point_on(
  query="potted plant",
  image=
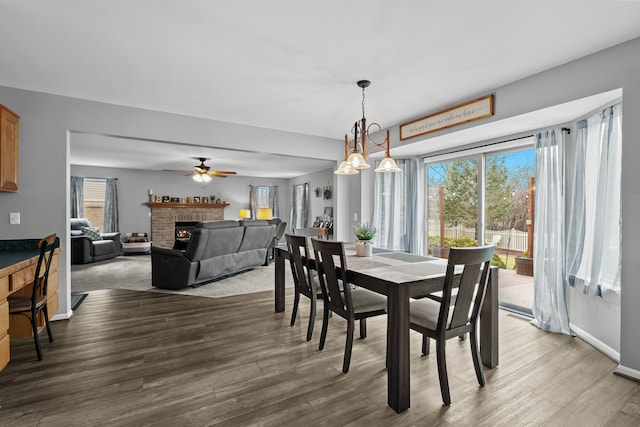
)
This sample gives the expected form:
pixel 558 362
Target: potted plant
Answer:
pixel 364 233
pixel 524 264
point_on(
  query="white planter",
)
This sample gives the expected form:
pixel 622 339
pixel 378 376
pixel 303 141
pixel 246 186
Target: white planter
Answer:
pixel 364 248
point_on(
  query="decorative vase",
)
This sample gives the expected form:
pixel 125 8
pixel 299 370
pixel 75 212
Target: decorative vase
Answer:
pixel 364 248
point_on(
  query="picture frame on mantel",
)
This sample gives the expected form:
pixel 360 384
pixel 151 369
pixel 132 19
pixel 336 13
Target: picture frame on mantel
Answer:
pixel 463 113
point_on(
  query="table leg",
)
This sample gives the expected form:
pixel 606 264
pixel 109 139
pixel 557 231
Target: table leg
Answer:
pixel 279 280
pixel 489 322
pixel 398 368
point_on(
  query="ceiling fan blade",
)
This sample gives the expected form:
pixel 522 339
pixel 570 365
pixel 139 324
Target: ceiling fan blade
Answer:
pixel 216 173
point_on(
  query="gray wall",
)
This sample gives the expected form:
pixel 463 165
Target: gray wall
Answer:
pixel 133 187
pixel 44 170
pixel 613 68
pixel 45 125
pixel 316 204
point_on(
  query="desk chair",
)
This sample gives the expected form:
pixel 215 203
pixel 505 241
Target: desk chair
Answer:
pixel 445 319
pixel 303 278
pixel 31 306
pixel 350 304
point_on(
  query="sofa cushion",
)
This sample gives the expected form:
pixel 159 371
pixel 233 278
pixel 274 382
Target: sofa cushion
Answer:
pixel 217 224
pixel 208 243
pixel 78 223
pixel 103 247
pixel 92 233
pixel 257 237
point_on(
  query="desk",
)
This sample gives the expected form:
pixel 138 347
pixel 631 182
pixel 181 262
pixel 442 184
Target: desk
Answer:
pixel 401 276
pixel 18 259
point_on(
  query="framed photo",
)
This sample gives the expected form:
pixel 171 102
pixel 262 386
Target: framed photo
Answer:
pixel 328 211
pixel 166 199
pixel 175 200
pixel 196 199
pixel 205 199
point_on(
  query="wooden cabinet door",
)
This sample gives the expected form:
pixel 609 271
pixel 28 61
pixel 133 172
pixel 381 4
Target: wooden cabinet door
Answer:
pixel 9 132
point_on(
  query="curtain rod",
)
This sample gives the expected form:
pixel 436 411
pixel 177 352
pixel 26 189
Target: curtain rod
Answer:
pixel 93 177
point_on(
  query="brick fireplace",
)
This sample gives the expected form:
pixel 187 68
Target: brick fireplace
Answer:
pixel 164 217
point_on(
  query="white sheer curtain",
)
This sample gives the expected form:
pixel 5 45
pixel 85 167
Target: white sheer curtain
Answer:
pixel 594 238
pixel 299 206
pixel 549 306
pixel 398 210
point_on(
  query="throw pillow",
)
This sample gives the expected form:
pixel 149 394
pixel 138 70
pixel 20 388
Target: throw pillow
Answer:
pixel 92 233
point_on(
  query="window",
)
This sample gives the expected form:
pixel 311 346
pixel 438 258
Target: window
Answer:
pixel 94 196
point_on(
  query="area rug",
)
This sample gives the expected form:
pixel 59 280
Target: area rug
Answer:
pixel 134 272
pixel 77 298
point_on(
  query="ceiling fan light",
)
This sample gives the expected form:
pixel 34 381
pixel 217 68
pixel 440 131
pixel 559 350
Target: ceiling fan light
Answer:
pixel 357 161
pixel 388 165
pixel 202 178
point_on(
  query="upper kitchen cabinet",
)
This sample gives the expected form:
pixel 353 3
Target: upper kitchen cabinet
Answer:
pixel 9 133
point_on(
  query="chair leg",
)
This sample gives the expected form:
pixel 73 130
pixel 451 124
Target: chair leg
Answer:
pixel 294 312
pixel 363 328
pixel 46 322
pixel 312 319
pixel 442 372
pixel 425 345
pixel 325 326
pixel 348 346
pixel 475 354
pixel 34 327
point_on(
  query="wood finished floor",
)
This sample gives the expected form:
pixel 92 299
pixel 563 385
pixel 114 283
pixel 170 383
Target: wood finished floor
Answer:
pixel 139 358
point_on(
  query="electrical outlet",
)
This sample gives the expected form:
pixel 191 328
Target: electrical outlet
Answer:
pixel 355 216
pixel 14 218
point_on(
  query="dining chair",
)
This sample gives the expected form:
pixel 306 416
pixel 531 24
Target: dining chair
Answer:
pixel 32 306
pixel 304 278
pixel 339 297
pixel 445 319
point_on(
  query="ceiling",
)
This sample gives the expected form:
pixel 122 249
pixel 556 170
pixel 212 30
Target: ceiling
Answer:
pixel 287 64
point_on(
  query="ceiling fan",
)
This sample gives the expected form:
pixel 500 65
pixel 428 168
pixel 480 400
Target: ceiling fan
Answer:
pixel 203 173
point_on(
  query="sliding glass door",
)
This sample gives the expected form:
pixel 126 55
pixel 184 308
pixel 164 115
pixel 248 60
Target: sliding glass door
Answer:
pixel 452 205
pixel 509 223
pixel 487 198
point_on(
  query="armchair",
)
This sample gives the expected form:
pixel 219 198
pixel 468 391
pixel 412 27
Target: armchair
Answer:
pixel 89 245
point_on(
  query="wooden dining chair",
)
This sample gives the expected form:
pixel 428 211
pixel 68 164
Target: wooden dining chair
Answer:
pixel 339 297
pixel 304 278
pixel 32 306
pixel 445 319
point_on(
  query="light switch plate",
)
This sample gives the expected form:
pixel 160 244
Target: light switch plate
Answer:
pixel 14 218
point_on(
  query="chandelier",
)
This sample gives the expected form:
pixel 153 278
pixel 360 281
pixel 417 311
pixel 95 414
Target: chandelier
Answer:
pixel 355 159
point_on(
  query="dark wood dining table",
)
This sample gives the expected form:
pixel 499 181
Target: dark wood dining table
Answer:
pixel 401 276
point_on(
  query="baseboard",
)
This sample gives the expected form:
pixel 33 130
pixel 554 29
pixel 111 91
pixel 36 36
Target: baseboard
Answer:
pixel 628 373
pixel 596 343
pixel 63 316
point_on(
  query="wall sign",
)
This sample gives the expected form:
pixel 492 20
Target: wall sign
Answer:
pixel 463 113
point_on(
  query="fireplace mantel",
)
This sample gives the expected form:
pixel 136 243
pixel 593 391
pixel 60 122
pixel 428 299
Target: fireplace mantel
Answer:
pixel 165 215
pixel 158 205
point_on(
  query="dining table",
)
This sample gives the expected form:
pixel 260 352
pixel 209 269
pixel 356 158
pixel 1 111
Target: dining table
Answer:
pixel 401 276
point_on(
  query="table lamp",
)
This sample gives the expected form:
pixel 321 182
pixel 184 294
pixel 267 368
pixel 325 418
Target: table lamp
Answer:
pixel 265 213
pixel 245 213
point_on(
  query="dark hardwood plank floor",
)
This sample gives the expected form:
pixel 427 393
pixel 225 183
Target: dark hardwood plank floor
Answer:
pixel 140 358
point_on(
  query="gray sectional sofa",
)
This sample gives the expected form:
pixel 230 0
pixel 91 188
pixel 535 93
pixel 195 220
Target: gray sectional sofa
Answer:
pixel 215 249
